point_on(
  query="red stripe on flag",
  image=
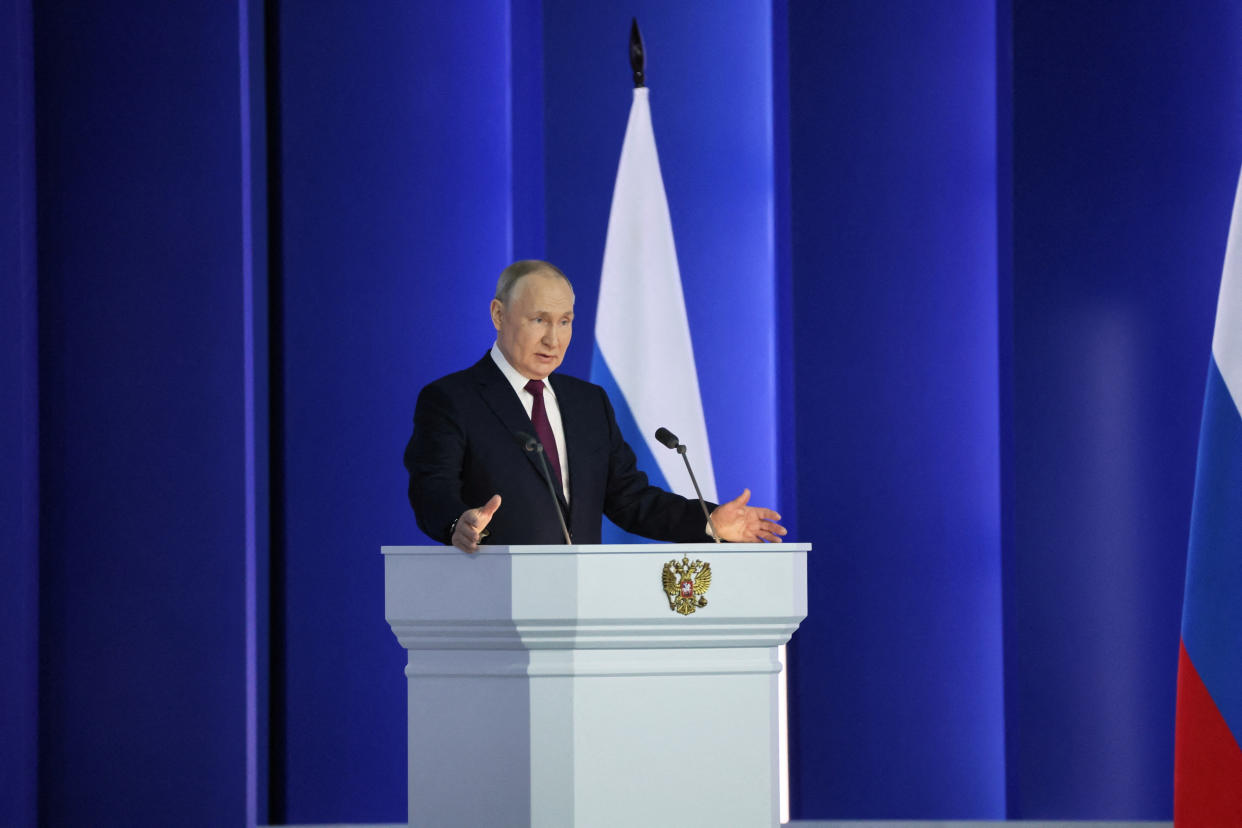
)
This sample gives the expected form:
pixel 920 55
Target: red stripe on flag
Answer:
pixel 1207 762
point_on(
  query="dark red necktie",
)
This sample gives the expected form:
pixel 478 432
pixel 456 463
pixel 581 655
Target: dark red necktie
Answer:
pixel 543 429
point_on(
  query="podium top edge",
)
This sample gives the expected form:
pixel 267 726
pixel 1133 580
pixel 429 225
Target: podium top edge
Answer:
pixel 654 549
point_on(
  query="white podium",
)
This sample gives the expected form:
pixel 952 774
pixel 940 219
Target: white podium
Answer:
pixel 565 686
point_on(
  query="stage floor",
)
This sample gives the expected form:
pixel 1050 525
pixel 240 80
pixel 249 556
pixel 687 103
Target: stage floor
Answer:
pixel 872 824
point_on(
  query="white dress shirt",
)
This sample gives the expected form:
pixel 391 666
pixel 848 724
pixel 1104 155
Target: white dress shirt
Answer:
pixel 528 402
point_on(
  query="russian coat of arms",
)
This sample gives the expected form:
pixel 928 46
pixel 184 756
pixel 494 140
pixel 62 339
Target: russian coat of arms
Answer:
pixel 685 583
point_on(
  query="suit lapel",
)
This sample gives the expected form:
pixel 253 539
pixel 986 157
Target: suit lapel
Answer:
pixel 499 396
pixel 573 424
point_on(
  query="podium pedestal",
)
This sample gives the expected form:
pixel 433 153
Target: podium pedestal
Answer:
pixel 556 685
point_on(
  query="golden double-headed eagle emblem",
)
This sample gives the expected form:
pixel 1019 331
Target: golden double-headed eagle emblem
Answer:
pixel 685 583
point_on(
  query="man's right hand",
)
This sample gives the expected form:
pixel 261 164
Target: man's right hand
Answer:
pixel 472 523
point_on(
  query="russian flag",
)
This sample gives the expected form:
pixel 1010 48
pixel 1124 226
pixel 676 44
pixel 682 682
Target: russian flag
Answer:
pixel 643 356
pixel 1207 758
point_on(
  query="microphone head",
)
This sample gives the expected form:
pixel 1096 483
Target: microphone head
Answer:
pixel 667 437
pixel 527 441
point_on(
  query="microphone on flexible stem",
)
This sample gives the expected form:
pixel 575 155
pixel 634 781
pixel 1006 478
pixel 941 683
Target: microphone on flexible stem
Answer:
pixel 531 443
pixel 670 440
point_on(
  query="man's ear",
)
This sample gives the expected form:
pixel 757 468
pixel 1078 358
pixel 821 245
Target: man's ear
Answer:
pixel 497 310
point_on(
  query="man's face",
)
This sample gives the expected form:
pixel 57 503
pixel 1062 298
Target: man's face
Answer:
pixel 533 330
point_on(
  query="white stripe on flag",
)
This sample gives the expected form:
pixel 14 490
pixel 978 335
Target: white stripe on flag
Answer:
pixel 1227 338
pixel 641 329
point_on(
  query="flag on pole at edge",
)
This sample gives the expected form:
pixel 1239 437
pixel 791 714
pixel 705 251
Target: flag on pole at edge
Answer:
pixel 1207 788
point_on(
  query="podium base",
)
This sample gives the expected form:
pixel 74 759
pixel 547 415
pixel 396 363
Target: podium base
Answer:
pixel 560 690
pixel 633 738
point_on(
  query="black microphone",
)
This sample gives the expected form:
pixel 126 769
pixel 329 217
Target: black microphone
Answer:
pixel 530 443
pixel 669 439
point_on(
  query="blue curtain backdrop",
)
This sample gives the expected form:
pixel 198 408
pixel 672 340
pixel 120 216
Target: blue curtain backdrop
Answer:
pixel 961 262
pixel 142 414
pixel 897 672
pixel 19 424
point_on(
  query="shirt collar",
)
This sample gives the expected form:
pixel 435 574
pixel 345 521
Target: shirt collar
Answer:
pixel 513 376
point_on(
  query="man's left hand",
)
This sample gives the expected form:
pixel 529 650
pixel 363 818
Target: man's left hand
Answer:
pixel 739 523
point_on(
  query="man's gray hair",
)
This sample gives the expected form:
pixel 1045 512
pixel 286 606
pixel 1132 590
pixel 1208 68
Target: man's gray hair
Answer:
pixel 511 274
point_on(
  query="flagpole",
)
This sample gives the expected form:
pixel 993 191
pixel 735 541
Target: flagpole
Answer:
pixel 638 56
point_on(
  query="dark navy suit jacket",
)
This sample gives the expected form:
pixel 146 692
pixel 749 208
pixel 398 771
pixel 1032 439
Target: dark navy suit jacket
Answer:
pixel 464 449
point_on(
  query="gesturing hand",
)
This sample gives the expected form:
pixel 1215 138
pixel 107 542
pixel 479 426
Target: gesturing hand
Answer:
pixel 737 522
pixel 471 526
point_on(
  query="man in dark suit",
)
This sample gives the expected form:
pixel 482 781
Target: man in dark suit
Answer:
pixel 472 477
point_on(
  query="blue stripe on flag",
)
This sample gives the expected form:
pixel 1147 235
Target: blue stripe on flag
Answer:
pixel 1212 613
pixel 600 375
